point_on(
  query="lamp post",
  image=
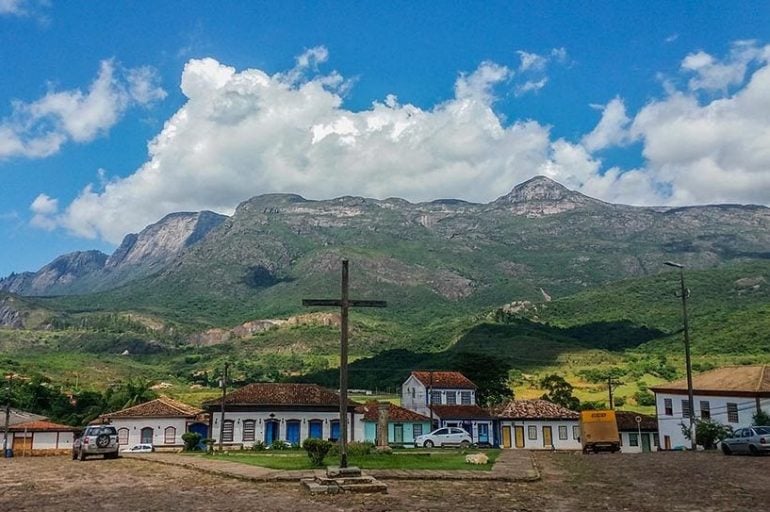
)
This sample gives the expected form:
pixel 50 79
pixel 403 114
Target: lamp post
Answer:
pixel 691 400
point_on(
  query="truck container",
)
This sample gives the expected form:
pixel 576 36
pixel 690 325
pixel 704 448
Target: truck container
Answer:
pixel 599 431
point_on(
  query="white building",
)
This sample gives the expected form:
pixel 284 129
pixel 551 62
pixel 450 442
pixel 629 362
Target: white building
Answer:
pixel 638 432
pixel 729 395
pixel 537 425
pixel 271 412
pixel 425 388
pixel 160 422
pixel 39 437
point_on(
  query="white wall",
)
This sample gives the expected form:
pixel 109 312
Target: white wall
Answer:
pixel 356 428
pixel 571 443
pixel 670 425
pixel 158 426
pixel 625 445
pixel 52 440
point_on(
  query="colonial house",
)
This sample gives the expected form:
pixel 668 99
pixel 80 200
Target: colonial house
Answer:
pixel 32 434
pixel 160 422
pixel 638 432
pixel 537 425
pixel 449 399
pixel 269 412
pixel 403 425
pixel 730 395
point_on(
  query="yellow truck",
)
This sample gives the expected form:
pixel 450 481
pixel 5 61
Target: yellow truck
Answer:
pixel 599 431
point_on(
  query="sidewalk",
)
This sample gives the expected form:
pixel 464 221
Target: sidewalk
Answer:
pixel 511 466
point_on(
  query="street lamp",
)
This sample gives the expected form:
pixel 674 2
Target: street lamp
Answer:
pixel 684 294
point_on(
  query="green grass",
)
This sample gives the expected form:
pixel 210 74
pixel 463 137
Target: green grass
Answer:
pixel 445 460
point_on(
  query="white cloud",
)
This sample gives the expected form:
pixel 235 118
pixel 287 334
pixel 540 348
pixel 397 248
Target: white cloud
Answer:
pixel 533 67
pixel 39 129
pixel 44 208
pixel 13 7
pixel 713 75
pixel 530 86
pixel 531 61
pixel 612 128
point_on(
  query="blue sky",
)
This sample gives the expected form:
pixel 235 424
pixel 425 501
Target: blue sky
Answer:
pixel 113 114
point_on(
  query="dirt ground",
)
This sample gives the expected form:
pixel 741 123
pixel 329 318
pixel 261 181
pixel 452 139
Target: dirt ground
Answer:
pixel 571 482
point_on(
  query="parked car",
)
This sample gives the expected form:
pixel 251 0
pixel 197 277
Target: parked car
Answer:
pixel 447 436
pixel 96 440
pixel 753 440
pixel 139 448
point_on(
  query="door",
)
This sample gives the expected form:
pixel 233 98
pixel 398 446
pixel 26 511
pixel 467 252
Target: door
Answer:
pixel 398 433
pixel 483 433
pixel 146 435
pixel 468 427
pixel 667 442
pixel 646 445
pixel 271 431
pixel 335 430
pixel 547 437
pixel 519 437
pixel 316 429
pixel 507 436
pixel 22 445
pixel 292 432
pixel 201 429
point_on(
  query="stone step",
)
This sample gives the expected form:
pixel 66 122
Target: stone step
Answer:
pixel 338 472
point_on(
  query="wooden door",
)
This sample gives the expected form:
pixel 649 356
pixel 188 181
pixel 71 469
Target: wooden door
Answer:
pixel 547 437
pixel 519 437
pixel 667 442
pixel 506 437
pixel 22 445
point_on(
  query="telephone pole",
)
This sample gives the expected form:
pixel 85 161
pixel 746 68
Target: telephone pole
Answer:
pixel 7 417
pixel 609 388
pixel 222 417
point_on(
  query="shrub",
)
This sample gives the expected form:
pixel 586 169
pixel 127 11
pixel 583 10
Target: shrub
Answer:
pixel 258 446
pixel 279 445
pixel 644 398
pixel 317 449
pixel 707 432
pixel 355 448
pixel 619 401
pixel 761 418
pixel 191 441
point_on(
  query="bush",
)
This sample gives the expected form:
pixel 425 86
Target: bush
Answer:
pixel 317 449
pixel 355 449
pixel 279 445
pixel 258 446
pixel 707 432
pixel 191 441
pixel 644 398
pixel 761 418
pixel 619 401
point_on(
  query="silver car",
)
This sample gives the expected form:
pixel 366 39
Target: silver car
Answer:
pixel 96 440
pixel 753 440
pixel 447 436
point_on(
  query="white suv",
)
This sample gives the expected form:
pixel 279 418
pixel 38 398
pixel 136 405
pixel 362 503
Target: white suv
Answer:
pixel 447 436
pixel 96 440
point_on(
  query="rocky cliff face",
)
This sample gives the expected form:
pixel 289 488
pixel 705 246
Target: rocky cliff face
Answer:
pixel 542 196
pixel 57 276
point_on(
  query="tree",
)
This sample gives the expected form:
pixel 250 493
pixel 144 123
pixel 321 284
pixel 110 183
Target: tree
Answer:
pixel 761 418
pixel 559 391
pixel 707 432
pixel 128 394
pixel 489 373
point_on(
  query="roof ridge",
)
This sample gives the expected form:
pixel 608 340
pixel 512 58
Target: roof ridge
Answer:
pixel 174 404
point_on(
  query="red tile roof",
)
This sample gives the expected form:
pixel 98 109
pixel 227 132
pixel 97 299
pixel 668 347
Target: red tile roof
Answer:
pixel 736 380
pixel 41 426
pixel 444 380
pixel 162 407
pixel 276 395
pixel 627 421
pixel 370 410
pixel 534 410
pixel 460 412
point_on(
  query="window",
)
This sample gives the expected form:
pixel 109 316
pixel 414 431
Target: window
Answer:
pixel 732 413
pixel 417 429
pixel 685 408
pixel 248 430
pixel 705 410
pixel 563 432
pixel 441 432
pixel 122 436
pixel 656 440
pixel 435 397
pixel 315 429
pixel 668 405
pixel 465 398
pixel 576 433
pixel 227 432
pixel 146 436
pixel 451 397
pixel 532 433
pixel 633 439
pixel 169 435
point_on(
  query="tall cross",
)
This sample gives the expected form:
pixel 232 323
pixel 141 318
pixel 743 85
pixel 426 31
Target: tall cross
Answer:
pixel 344 304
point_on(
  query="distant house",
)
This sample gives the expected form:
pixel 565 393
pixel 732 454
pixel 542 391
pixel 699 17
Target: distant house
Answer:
pixel 32 434
pixel 637 436
pixel 730 395
pixel 270 412
pixel 537 425
pixel 449 399
pixel 403 425
pixel 160 422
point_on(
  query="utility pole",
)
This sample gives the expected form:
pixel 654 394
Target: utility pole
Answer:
pixel 684 294
pixel 7 417
pixel 430 397
pixel 222 417
pixel 609 388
